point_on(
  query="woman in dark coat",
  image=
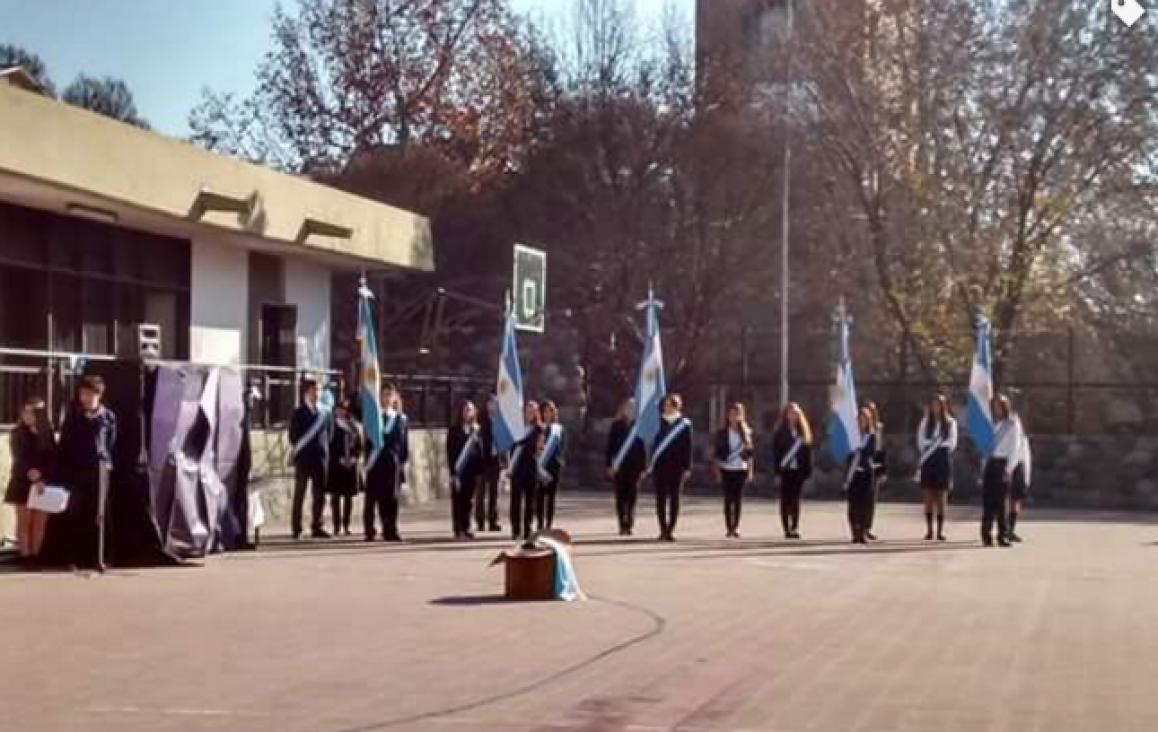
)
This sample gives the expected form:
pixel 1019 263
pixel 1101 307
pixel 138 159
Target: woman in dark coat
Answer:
pixel 33 455
pixel 464 456
pixel 84 462
pixel 342 473
pixel 792 455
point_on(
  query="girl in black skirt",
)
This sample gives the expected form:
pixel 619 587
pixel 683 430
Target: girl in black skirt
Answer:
pixel 936 441
pixel 464 455
pixel 342 474
pixel 733 466
pixel 792 453
pixel 33 456
pixel 861 478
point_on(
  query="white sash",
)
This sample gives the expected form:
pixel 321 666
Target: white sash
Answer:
pixel 387 428
pixel 791 456
pixel 854 466
pixel 999 435
pixel 311 433
pixel 663 446
pixel 549 450
pixel 464 453
pixel 628 441
pixel 932 449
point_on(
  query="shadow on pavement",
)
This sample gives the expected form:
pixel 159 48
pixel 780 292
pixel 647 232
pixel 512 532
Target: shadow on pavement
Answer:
pixel 474 601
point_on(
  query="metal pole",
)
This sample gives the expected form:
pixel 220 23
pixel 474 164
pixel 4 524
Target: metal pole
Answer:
pixel 784 213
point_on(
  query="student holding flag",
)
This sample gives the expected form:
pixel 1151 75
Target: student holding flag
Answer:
pixel 936 441
pixel 734 450
pixel 525 473
pixel 671 464
pixel 309 436
pixel 625 473
pixel 464 455
pixel 999 469
pixel 385 476
pixel 792 457
pixel 852 437
pixel 551 463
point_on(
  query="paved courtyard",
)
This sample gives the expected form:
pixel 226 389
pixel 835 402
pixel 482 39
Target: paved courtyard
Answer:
pixel 1058 634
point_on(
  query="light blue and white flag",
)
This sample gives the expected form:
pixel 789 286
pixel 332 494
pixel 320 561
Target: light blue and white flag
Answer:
pixel 980 415
pixel 651 387
pixel 369 376
pixel 509 426
pixel 843 428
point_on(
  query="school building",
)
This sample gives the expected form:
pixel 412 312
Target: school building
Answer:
pixel 105 227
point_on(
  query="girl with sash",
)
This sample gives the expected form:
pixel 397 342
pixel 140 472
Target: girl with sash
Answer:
pixel 486 501
pixel 734 451
pixel 1019 484
pixel 551 463
pixel 625 464
pixel 998 471
pixel 309 436
pixel 880 470
pixel 671 464
pixel 342 475
pixel 860 480
pixel 33 459
pixel 792 453
pixel 386 471
pixel 936 441
pixel 524 468
pixel 464 455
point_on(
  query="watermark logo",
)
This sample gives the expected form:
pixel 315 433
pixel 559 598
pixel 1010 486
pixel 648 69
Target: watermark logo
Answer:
pixel 1128 11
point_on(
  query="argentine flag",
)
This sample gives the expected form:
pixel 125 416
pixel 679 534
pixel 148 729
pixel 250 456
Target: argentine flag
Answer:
pixel 651 387
pixel 369 377
pixel 508 424
pixel 843 428
pixel 980 415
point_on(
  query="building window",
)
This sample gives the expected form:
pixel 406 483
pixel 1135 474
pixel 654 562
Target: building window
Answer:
pixel 83 287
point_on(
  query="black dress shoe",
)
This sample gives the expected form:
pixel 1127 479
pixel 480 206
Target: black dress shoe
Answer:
pixel 987 541
pixel 1003 543
pixel 495 527
pixel 369 537
pixel 319 534
pixel 1014 538
pixel 942 537
pixel 928 536
pixel 870 536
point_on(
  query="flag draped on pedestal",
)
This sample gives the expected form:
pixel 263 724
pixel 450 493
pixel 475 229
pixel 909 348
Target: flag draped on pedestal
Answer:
pixel 980 417
pixel 508 423
pixel 651 387
pixel 369 376
pixel 843 429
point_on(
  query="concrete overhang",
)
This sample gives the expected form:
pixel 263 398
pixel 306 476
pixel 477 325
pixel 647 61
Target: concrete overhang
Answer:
pixel 60 158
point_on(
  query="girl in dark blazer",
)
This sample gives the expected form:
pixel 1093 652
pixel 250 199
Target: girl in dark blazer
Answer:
pixel 734 451
pixel 464 455
pixel 671 464
pixel 551 464
pixel 33 460
pixel 880 469
pixel 861 478
pixel 625 465
pixel 342 473
pixel 792 454
pixel 524 469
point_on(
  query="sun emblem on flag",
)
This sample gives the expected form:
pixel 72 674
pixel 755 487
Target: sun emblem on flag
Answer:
pixel 504 386
pixel 650 375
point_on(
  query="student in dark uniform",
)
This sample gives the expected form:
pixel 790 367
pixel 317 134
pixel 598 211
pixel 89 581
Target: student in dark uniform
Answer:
pixel 33 461
pixel 464 455
pixel 936 441
pixel 999 469
pixel 671 464
pixel 309 436
pixel 524 468
pixel 880 470
pixel 1019 484
pixel 792 454
pixel 385 477
pixel 625 465
pixel 84 464
pixel 486 501
pixel 734 450
pixel 342 476
pixel 861 478
pixel 551 464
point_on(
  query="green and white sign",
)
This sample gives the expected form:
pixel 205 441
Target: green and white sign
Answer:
pixel 530 289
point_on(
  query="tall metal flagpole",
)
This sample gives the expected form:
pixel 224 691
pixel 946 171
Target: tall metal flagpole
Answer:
pixel 784 213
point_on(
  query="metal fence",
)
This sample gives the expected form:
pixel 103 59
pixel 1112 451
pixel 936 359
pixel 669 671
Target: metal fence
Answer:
pixel 430 400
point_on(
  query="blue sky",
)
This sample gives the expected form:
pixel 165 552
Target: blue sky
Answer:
pixel 168 50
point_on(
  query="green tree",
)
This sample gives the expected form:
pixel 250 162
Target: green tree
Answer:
pixel 105 96
pixel 34 65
